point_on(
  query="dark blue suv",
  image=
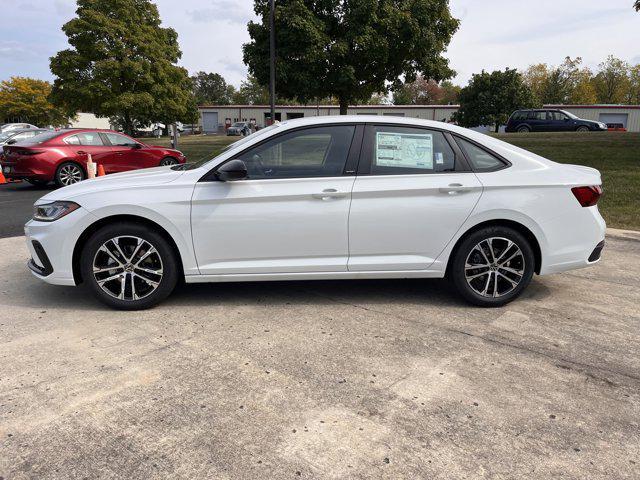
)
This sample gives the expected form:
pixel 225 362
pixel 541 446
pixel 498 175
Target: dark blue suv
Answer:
pixel 550 120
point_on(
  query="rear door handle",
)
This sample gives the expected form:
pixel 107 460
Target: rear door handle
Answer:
pixel 81 152
pixel 455 189
pixel 329 193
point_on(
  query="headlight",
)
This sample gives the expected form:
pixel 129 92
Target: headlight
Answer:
pixel 49 212
pixel 603 126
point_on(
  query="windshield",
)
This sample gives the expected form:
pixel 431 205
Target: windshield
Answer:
pixel 248 138
pixel 5 135
pixel 238 124
pixel 570 115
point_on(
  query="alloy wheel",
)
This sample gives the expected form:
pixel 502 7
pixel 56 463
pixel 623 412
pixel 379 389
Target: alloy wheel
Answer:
pixel 127 268
pixel 70 174
pixel 168 161
pixel 494 267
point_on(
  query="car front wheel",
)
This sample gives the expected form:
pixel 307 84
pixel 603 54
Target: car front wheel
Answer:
pixel 166 161
pixel 129 266
pixel 492 266
pixel 582 129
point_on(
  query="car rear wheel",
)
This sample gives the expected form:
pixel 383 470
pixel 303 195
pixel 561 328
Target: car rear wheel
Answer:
pixel 524 129
pixel 492 266
pixel 129 266
pixel 582 129
pixel 168 161
pixel 69 173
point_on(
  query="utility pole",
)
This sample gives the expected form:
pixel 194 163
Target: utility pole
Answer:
pixel 272 60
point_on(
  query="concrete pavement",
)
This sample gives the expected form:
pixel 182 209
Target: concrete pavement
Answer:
pixel 353 379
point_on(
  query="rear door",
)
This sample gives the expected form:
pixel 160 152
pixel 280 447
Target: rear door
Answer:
pixel 83 144
pixel 413 192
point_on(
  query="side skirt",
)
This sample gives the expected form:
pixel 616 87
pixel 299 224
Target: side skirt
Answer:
pixel 265 277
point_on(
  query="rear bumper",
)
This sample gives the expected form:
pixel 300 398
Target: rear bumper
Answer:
pixel 25 170
pixel 577 244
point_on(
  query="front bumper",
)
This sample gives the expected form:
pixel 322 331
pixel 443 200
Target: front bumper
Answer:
pixel 51 245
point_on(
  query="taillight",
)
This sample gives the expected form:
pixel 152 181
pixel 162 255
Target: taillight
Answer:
pixel 24 151
pixel 587 196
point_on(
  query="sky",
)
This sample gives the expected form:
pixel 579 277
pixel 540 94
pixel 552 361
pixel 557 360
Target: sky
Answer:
pixel 493 34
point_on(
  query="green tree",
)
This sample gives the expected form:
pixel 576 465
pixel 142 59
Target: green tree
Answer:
pixel 450 93
pixel 422 91
pixel 490 98
pixel 350 50
pixel 612 80
pixel 536 77
pixel 212 89
pixel 633 96
pixel 27 100
pixel 251 93
pixel 122 64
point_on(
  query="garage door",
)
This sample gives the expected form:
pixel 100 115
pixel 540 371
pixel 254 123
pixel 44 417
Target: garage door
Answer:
pixel 615 118
pixel 210 122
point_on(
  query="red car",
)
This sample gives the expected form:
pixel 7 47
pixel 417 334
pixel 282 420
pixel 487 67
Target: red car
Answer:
pixel 62 156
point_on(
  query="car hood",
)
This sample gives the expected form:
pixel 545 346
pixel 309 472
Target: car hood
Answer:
pixel 138 178
pixel 168 151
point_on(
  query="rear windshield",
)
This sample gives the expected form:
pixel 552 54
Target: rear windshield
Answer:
pixel 43 137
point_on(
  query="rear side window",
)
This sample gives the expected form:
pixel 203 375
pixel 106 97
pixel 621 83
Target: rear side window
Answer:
pixel 86 138
pixel 480 159
pixel 518 116
pixel 394 150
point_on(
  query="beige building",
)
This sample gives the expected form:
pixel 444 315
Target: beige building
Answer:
pixel 214 117
pixel 89 120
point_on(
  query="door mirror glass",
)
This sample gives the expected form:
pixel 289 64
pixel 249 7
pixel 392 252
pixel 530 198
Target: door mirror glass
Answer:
pixel 233 170
pixel 136 146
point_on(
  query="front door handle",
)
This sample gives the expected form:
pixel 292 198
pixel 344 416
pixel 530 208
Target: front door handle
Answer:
pixel 455 189
pixel 81 152
pixel 329 193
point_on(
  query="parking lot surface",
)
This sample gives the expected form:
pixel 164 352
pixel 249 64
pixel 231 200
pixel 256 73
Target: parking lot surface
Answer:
pixel 354 379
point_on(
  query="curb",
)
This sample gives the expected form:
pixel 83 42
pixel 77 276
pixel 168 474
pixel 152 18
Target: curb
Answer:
pixel 632 235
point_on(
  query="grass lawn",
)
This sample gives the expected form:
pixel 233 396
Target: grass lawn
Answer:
pixel 615 154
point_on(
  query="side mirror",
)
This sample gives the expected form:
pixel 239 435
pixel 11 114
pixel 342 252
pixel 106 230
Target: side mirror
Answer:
pixel 233 170
pixel 566 119
pixel 136 146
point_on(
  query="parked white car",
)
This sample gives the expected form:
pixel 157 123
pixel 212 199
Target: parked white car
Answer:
pixel 15 126
pixel 326 198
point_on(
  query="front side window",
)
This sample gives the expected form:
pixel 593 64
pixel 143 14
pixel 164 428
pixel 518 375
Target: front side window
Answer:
pixel 312 152
pixel 480 159
pixel 405 150
pixel 118 140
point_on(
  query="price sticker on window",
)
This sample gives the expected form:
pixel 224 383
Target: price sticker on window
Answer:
pixel 405 150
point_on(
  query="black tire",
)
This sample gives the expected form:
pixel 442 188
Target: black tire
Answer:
pixel 167 262
pixel 582 128
pixel 168 161
pixel 470 289
pixel 61 177
pixel 37 183
pixel 523 129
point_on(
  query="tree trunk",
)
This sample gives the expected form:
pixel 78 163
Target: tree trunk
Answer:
pixel 344 105
pixel 497 128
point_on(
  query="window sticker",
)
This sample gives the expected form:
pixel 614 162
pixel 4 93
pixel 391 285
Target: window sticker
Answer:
pixel 404 150
pixel 439 158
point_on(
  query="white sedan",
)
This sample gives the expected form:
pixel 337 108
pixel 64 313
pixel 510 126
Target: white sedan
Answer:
pixel 326 198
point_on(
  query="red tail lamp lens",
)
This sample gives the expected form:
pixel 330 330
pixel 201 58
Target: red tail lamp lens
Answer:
pixel 587 196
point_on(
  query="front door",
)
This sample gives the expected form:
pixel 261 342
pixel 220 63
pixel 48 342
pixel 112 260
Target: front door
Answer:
pixel 289 216
pixel 411 196
pixel 127 154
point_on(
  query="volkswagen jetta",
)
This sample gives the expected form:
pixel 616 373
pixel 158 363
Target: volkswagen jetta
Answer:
pixel 325 198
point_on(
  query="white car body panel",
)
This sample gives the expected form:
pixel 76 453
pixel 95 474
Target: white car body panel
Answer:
pixel 395 226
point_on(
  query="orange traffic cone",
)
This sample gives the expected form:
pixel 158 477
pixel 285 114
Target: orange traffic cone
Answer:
pixel 100 171
pixel 2 179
